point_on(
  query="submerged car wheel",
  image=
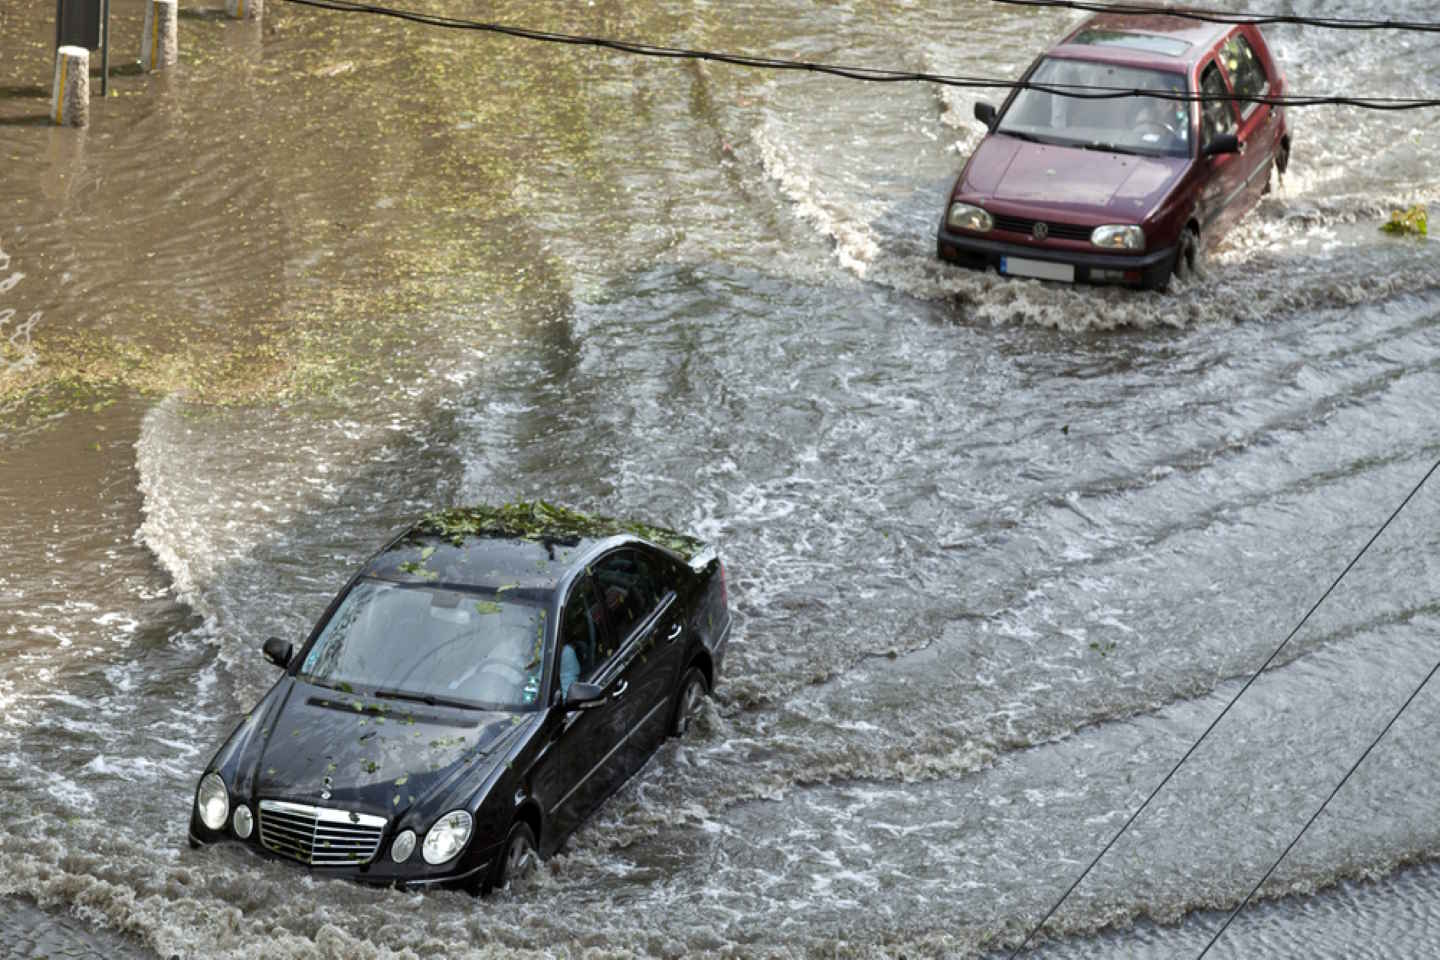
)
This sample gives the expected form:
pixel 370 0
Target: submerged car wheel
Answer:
pixel 517 864
pixel 687 703
pixel 1187 255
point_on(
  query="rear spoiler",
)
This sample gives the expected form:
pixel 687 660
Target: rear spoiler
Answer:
pixel 701 559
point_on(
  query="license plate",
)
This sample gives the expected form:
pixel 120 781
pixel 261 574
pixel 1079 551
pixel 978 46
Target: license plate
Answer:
pixel 1039 269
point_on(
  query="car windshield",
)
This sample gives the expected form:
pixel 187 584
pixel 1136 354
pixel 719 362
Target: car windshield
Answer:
pixel 1149 126
pixel 438 646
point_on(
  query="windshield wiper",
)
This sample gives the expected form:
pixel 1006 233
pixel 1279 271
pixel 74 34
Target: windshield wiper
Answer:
pixel 1110 148
pixel 1026 136
pixel 429 699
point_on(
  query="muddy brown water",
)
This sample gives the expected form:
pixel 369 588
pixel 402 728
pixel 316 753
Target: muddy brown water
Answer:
pixel 999 550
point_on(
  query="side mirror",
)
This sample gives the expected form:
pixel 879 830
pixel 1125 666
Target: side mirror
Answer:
pixel 584 696
pixel 1224 143
pixel 278 652
pixel 985 113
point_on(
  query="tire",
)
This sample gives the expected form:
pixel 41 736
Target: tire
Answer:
pixel 1187 255
pixel 687 701
pixel 519 859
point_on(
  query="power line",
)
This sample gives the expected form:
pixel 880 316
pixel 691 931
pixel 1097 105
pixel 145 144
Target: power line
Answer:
pixel 1313 817
pixel 1214 723
pixel 1217 16
pixel 870 74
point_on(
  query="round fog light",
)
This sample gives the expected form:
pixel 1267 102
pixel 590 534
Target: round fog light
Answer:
pixel 403 846
pixel 243 822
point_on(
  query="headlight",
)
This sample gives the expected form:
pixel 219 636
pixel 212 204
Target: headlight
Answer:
pixel 212 801
pixel 967 216
pixel 1118 237
pixel 403 846
pixel 243 822
pixel 447 838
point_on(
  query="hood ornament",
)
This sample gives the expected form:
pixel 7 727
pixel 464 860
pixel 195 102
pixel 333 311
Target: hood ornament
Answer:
pixel 325 789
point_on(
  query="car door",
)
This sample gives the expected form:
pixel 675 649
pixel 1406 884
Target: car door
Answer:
pixel 1225 172
pixel 1259 127
pixel 576 769
pixel 644 614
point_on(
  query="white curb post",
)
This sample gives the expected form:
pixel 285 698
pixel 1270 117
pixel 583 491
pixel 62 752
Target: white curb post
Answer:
pixel 160 46
pixel 70 99
pixel 245 9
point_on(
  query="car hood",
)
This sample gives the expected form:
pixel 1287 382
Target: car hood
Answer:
pixel 384 757
pixel 1045 179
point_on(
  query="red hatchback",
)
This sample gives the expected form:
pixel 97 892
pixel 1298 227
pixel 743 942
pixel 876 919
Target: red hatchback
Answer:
pixel 1124 190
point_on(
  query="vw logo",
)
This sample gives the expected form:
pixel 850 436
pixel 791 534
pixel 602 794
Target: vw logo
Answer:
pixel 1040 231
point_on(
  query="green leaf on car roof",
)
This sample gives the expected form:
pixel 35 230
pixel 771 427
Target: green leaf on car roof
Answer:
pixel 487 606
pixel 540 520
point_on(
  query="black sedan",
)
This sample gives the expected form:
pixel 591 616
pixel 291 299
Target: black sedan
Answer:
pixel 486 680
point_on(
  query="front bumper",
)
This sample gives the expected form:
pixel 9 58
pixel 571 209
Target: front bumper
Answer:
pixel 1146 269
pixel 467 870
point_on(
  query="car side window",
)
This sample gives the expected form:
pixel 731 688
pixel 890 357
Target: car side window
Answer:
pixel 628 587
pixel 1247 75
pixel 1217 116
pixel 583 640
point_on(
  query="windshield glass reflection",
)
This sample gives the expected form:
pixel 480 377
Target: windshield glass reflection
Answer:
pixel 1148 126
pixel 429 645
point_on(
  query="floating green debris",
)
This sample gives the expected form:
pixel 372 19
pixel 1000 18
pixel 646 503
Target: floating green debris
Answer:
pixel 539 520
pixel 1407 223
pixel 401 781
pixel 487 606
pixel 371 766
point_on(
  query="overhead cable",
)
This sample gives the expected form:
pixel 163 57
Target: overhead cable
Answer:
pixel 871 74
pixel 1221 715
pixel 1220 16
pixel 1321 809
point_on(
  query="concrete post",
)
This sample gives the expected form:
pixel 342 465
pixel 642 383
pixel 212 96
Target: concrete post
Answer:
pixel 70 99
pixel 245 9
pixel 160 46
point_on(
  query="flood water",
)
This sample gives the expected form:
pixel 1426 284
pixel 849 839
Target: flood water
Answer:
pixel 998 550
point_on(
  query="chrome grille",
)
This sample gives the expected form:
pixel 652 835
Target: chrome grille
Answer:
pixel 318 835
pixel 1061 231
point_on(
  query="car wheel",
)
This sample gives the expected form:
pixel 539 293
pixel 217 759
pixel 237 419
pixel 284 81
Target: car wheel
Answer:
pixel 1187 255
pixel 688 700
pixel 520 858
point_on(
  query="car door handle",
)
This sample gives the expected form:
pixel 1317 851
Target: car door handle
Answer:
pixel 674 631
pixel 620 690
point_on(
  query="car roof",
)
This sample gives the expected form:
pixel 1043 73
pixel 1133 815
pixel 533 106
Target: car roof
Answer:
pixel 530 546
pixel 482 561
pixel 1161 41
